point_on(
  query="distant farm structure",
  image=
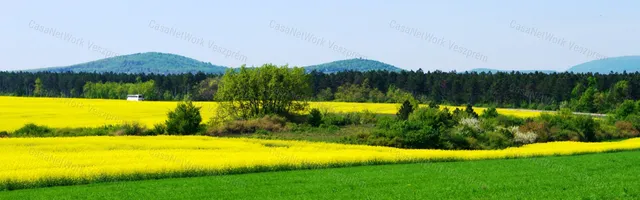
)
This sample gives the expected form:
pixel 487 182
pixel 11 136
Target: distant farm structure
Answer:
pixel 135 97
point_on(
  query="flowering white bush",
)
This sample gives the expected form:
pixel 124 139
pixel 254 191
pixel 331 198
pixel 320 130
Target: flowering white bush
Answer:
pixel 523 138
pixel 471 123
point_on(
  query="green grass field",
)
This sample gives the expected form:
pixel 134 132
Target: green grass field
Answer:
pixel 592 176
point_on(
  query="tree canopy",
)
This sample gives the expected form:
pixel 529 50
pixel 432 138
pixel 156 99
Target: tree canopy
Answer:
pixel 269 89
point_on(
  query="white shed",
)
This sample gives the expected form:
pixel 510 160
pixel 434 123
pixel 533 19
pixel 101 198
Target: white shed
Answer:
pixel 135 97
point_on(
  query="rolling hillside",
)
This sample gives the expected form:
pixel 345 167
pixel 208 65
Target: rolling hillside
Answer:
pixel 151 62
pixel 355 64
pixel 607 65
pixel 164 63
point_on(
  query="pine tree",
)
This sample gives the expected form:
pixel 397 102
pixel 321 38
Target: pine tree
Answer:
pixel 405 110
pixel 38 91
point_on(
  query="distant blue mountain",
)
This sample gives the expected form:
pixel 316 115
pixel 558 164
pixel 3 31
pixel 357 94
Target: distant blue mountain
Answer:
pixel 629 64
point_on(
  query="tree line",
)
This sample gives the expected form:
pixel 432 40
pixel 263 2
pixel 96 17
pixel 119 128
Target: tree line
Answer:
pixel 514 89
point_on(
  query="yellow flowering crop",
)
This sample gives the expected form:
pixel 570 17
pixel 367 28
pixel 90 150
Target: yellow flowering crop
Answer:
pixel 37 162
pixel 15 112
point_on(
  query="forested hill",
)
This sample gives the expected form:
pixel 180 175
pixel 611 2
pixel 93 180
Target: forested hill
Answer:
pixel 629 64
pixel 151 62
pixel 164 63
pixel 356 64
pixel 619 65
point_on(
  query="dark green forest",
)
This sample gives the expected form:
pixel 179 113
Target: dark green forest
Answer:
pixel 589 92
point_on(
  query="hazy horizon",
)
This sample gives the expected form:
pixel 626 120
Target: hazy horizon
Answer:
pixel 454 35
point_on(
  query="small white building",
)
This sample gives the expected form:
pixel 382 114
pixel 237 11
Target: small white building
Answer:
pixel 135 97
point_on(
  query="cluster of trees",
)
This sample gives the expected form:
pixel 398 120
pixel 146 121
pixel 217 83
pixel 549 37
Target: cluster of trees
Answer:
pixel 364 93
pixel 514 90
pixel 269 89
pixel 112 90
pixel 199 86
pixel 590 98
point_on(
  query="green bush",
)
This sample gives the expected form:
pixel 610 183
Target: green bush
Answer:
pixel 351 118
pixel 587 126
pixel 469 110
pixel 625 109
pixel 315 117
pixel 496 140
pixel 133 128
pixel 635 120
pixel 508 121
pixel 32 130
pixel 491 112
pixel 4 134
pixel 184 120
pixel 159 129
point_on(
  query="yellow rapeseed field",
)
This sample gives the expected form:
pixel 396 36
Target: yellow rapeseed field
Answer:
pixel 66 112
pixel 38 162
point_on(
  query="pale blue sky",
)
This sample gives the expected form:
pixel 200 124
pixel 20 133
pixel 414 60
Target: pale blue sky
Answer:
pixel 489 34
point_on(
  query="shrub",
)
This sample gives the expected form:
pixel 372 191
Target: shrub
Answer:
pixel 271 123
pixel 506 120
pixel 419 137
pixel 315 117
pixel 33 130
pixel 541 129
pixel 4 134
pixel 185 119
pixel 367 117
pixel 495 140
pixel 468 127
pixel 405 110
pixel 520 137
pixel 337 119
pixel 627 129
pixel 351 118
pixel 491 112
pixel 433 104
pixel 159 129
pixel 587 126
pixel 625 109
pixel 133 128
pixel 635 120
pixel 457 112
pixel 435 118
pixel 469 110
pixel 405 134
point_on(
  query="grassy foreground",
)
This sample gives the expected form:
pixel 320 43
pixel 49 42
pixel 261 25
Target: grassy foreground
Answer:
pixel 44 162
pixel 65 112
pixel 593 176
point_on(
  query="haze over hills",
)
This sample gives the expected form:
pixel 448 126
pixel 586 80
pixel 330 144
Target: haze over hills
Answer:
pixel 620 64
pixel 164 63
